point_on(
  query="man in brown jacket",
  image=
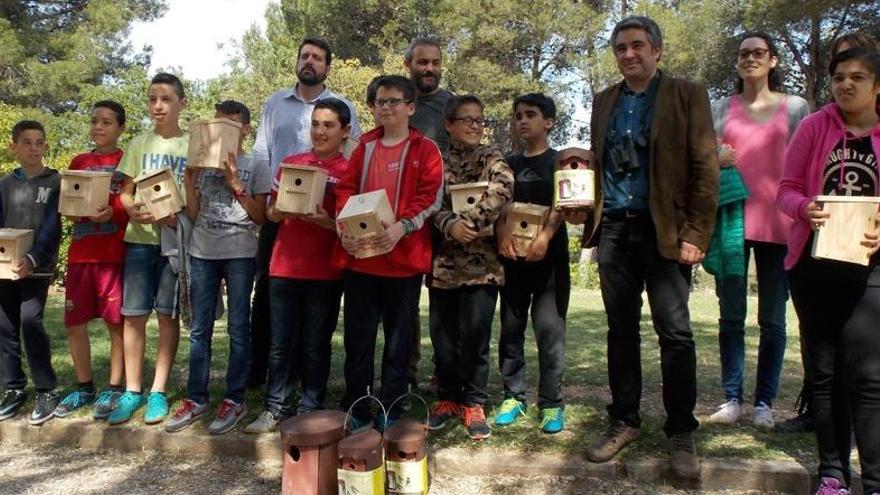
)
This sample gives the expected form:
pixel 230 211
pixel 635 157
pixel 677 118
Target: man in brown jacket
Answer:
pixel 656 191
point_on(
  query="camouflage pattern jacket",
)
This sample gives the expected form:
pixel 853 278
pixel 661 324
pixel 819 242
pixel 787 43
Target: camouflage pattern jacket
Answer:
pixel 478 262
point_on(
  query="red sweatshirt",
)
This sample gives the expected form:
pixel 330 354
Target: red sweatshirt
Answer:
pixel 302 249
pixel 419 195
pixel 100 242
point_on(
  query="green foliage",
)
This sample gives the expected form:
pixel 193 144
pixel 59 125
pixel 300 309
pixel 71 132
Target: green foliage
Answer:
pixel 57 47
pixel 584 272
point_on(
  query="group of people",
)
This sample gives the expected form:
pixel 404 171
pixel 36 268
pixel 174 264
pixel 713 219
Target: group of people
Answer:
pixel 679 181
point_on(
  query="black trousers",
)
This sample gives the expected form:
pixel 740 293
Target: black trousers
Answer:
pixel 22 303
pixel 261 318
pixel 543 286
pixel 461 327
pixel 370 299
pixel 304 317
pixel 838 306
pixel 630 263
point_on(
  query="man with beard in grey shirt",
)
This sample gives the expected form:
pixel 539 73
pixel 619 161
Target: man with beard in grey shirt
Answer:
pixel 424 61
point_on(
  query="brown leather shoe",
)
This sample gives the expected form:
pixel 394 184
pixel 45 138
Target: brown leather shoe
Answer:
pixel 618 436
pixel 683 461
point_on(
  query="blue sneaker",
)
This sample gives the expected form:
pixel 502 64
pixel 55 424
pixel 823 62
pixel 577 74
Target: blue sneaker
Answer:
pixel 356 424
pixel 105 403
pixel 509 411
pixel 157 408
pixel 73 401
pixel 552 419
pixel 125 408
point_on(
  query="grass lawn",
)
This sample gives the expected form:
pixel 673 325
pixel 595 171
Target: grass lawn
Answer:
pixel 585 387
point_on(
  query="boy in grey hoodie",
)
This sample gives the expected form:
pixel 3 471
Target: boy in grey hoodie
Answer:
pixel 29 200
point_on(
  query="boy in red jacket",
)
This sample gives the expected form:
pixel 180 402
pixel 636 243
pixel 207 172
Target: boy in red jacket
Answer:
pixel 397 158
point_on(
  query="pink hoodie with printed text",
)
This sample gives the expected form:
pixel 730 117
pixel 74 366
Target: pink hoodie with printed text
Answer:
pixel 805 162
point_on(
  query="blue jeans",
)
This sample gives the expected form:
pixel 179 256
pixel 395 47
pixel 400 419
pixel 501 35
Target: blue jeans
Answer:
pixel 304 315
pixel 772 297
pixel 148 281
pixel 205 276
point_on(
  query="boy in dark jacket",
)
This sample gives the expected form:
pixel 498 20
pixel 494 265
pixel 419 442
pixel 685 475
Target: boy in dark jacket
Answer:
pixel 29 200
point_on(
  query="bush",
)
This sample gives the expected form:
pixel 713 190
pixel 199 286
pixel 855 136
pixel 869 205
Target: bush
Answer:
pixel 584 272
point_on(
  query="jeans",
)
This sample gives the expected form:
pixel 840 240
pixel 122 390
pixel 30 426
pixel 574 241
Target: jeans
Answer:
pixel 838 305
pixel 148 281
pixel 22 303
pixel 629 263
pixel 205 276
pixel 370 299
pixel 261 319
pixel 772 296
pixel 461 327
pixel 304 316
pixel 544 286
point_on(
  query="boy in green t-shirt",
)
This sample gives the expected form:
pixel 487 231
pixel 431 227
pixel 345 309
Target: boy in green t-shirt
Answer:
pixel 149 282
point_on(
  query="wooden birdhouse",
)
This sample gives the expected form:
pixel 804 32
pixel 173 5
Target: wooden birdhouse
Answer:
pixel 574 180
pixel 159 192
pixel 211 141
pixel 301 189
pixel 525 222
pixel 362 218
pixel 466 196
pixel 850 217
pixel 83 192
pixel 14 244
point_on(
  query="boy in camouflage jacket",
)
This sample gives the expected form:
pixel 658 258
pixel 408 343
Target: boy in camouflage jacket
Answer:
pixel 467 271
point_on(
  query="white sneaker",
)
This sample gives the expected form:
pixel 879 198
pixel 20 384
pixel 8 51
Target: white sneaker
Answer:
pixel 763 416
pixel 727 413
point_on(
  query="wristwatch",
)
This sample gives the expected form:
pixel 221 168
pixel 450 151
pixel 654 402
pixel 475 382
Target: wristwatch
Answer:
pixel 240 193
pixel 408 226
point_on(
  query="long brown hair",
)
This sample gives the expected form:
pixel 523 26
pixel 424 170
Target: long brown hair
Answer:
pixel 774 80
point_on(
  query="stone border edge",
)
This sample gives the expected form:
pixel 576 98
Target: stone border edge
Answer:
pixel 717 473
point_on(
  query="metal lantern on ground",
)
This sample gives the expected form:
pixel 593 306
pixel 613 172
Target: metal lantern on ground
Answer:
pixel 574 179
pixel 361 466
pixel 406 457
pixel 310 456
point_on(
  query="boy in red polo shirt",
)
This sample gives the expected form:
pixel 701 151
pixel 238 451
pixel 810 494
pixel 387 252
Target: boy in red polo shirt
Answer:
pixel 397 158
pixel 93 285
pixel 305 289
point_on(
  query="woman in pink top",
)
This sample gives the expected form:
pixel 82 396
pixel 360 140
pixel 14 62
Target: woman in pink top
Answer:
pixel 754 126
pixel 835 152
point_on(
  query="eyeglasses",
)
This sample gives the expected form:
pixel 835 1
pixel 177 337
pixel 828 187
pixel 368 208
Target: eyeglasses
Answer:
pixel 469 121
pixel 758 53
pixel 391 102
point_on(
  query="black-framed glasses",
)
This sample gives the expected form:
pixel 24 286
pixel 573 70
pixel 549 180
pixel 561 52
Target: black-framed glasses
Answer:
pixel 758 53
pixel 469 121
pixel 391 102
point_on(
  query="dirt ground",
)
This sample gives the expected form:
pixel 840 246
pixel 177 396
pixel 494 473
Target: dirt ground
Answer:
pixel 55 470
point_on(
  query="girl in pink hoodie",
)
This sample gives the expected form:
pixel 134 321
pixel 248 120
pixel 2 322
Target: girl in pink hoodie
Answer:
pixel 835 152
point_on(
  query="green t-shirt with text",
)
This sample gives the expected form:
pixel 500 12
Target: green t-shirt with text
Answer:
pixel 146 153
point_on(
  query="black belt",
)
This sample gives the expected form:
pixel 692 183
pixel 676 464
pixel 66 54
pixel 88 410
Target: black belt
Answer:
pixel 617 215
